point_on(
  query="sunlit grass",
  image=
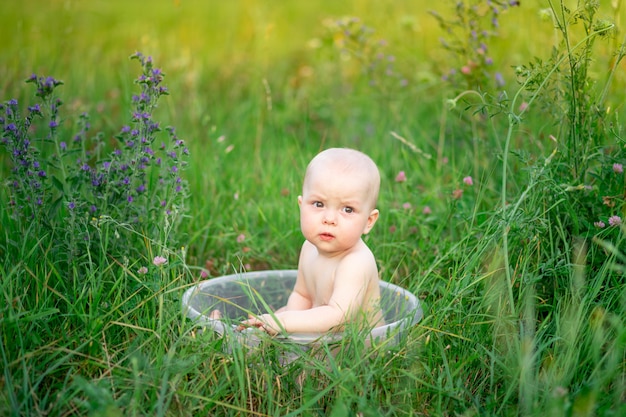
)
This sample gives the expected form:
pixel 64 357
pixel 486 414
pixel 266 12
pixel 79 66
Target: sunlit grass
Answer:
pixel 256 89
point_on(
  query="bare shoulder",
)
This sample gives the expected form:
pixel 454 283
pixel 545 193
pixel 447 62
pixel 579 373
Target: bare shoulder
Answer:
pixel 361 253
pixel 308 253
pixel 359 263
pixel 307 248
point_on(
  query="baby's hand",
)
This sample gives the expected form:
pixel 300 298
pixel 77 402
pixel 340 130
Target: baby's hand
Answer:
pixel 215 315
pixel 265 322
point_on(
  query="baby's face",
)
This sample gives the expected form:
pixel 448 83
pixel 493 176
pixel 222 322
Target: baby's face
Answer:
pixel 336 209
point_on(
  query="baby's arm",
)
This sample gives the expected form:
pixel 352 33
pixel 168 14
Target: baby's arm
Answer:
pixel 299 299
pixel 348 296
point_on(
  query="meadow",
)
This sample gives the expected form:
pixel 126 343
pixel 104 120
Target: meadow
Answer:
pixel 497 128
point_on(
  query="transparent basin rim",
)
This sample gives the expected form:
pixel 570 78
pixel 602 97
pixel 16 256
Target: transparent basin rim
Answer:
pixel 259 292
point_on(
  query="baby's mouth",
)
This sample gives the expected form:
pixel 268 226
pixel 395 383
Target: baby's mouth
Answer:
pixel 326 236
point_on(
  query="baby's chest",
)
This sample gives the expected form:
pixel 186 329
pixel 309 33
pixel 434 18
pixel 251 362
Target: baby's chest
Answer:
pixel 320 283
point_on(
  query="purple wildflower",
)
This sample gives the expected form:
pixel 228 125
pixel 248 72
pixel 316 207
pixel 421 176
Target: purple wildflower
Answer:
pixel 499 80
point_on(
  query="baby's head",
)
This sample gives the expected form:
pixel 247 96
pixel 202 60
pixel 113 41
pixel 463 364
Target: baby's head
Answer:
pixel 346 165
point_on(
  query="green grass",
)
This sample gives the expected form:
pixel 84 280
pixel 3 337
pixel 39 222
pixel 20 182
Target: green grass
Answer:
pixel 525 308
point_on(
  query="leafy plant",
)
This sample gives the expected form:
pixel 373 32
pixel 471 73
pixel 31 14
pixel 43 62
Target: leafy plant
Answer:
pixel 82 195
pixel 468 33
pixel 362 52
pixel 587 173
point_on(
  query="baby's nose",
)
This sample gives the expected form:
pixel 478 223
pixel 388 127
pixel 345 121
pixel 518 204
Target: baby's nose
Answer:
pixel 329 217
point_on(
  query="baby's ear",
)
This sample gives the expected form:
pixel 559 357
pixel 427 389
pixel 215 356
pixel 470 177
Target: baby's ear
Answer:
pixel 299 200
pixel 371 220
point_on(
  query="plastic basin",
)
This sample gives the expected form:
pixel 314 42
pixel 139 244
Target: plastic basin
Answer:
pixel 238 295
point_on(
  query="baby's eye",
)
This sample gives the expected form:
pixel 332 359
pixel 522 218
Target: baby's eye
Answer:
pixel 348 210
pixel 318 204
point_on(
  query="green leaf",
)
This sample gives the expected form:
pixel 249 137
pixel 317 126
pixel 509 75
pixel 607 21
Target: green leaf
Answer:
pixel 57 184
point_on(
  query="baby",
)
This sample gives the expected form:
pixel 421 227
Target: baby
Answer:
pixel 337 278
